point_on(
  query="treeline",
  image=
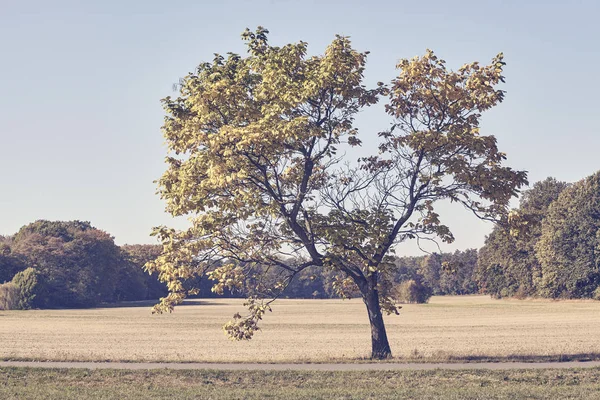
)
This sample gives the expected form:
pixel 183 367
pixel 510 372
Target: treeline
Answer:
pixel 72 264
pixel 444 274
pixel 424 276
pixel 57 264
pixel 433 274
pixel 553 250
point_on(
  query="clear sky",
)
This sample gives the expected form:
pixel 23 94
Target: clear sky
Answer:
pixel 81 83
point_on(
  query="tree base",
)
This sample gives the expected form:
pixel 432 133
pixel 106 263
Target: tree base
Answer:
pixel 381 354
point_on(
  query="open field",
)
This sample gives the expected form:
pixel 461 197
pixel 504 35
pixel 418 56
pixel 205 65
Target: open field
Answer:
pixel 448 328
pixel 34 384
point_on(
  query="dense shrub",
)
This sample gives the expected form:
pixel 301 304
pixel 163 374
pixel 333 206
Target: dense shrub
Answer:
pixel 28 283
pixel 9 296
pixel 412 291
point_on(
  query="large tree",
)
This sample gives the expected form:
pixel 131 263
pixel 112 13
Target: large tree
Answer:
pixel 507 263
pixel 77 262
pixel 254 161
pixel 569 244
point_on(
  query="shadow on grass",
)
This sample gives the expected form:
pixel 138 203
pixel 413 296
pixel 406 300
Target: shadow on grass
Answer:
pixel 151 303
pixel 578 357
pixel 531 358
pixel 130 304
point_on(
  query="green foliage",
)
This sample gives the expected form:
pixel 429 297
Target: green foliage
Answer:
pixel 445 273
pixel 310 283
pixel 430 270
pixel 596 295
pixel 130 282
pixel 28 282
pixel 412 291
pixel 504 270
pixel 56 229
pixel 59 264
pixel 458 273
pixel 552 250
pixel 507 263
pixel 133 282
pixel 10 263
pixel 78 263
pixel 9 296
pixel 407 268
pixel 569 245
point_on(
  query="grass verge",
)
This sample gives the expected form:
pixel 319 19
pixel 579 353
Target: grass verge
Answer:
pixel 34 383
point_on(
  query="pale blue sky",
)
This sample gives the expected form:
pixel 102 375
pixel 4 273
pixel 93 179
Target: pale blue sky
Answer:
pixel 81 83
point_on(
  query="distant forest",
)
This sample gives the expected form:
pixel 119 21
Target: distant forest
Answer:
pixel 552 250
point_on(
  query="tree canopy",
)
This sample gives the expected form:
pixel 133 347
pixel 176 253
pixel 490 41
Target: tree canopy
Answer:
pixel 255 162
pixel 78 262
pixel 569 245
pixel 507 263
pixel 56 264
pixel 553 252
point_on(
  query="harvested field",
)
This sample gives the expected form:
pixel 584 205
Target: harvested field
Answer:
pixel 448 328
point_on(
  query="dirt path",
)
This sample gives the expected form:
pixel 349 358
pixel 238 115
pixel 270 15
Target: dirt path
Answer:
pixel 301 367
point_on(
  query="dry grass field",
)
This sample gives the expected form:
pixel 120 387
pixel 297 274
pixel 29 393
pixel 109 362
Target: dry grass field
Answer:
pixel 448 328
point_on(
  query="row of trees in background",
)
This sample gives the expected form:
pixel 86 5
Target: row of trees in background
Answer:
pixel 57 264
pixel 554 254
pixel 552 251
pixel 444 274
pixel 422 276
pixel 556 251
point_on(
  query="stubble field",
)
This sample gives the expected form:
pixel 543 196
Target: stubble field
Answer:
pixel 448 328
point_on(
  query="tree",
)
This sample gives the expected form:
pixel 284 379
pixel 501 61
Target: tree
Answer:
pixel 507 263
pixel 430 270
pixel 254 161
pixel 407 268
pixel 569 246
pixel 77 262
pixel 502 269
pixel 458 272
pixel 133 283
pixel 413 292
pixel 9 296
pixel 10 264
pixel 29 284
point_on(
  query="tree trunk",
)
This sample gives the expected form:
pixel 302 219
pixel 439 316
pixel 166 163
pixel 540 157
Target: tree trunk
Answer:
pixel 380 347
